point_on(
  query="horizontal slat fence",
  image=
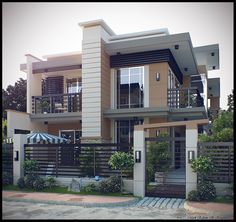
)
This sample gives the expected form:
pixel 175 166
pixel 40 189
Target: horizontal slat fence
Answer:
pixel 222 154
pixel 7 161
pixel 76 160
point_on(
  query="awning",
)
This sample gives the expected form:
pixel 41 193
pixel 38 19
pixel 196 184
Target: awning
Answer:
pixel 44 138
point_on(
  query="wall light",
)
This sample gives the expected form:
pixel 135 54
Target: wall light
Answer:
pixel 157 76
pixel 137 156
pixel 176 46
pixel 191 156
pixel 16 155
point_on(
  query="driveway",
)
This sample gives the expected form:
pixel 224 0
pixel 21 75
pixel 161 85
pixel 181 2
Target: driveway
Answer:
pixel 26 210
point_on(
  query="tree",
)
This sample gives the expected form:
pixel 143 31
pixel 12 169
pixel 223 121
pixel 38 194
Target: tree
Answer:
pixel 231 102
pixel 14 97
pixel 121 161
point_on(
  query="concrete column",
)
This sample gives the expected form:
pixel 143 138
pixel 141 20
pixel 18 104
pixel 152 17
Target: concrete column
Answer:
pixel 139 168
pixel 191 145
pixel 18 145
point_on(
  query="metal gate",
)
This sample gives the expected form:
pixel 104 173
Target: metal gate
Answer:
pixel 171 181
pixel 7 163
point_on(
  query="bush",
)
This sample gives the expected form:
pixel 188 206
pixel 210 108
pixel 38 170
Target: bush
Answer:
pixel 114 183
pixel 104 186
pixel 193 195
pixel 29 180
pixel 50 182
pixel 39 184
pixel 21 183
pixel 203 165
pixel 30 166
pixel 206 190
pixel 91 188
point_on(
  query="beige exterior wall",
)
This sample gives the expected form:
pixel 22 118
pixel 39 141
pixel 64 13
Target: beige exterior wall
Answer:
pixel 21 120
pixel 152 132
pixel 54 128
pixel 105 93
pixel 158 89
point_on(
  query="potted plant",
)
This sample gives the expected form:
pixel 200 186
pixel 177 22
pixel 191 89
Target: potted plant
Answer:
pixel 159 160
pixel 45 106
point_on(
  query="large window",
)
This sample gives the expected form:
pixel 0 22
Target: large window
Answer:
pixel 72 135
pixel 74 85
pixel 125 130
pixel 130 87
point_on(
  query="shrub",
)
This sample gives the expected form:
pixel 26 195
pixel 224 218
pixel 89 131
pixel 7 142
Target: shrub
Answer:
pixel 30 166
pixel 91 188
pixel 29 180
pixel 193 195
pixel 39 184
pixel 104 186
pixel 21 183
pixel 114 183
pixel 206 190
pixel 203 165
pixel 50 182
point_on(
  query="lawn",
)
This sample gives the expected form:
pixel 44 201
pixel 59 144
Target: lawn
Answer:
pixel 62 190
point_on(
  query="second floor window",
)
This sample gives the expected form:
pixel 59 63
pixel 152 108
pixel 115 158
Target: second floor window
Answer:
pixel 130 87
pixel 74 85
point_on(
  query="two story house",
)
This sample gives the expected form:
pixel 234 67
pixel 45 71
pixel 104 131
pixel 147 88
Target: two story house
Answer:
pixel 116 82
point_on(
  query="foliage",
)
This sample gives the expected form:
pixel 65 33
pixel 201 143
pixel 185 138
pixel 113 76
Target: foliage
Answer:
pixel 158 157
pixel 87 162
pixel 222 129
pixel 193 195
pixel 21 183
pixel 29 180
pixel 114 183
pixel 121 161
pixel 231 102
pixel 104 187
pixel 51 182
pixel 90 188
pixel 30 166
pixel 14 97
pixel 39 183
pixel 206 190
pixel 203 165
pixel 6 178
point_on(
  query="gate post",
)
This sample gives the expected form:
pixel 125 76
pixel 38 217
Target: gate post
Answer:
pixel 18 146
pixel 191 145
pixel 139 167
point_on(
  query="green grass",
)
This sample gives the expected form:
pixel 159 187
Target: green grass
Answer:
pixel 62 190
pixel 224 199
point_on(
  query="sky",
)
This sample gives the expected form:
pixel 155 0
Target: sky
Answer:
pixel 50 28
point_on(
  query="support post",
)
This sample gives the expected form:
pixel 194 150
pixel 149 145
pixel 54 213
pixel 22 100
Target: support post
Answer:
pixel 191 145
pixel 18 145
pixel 139 168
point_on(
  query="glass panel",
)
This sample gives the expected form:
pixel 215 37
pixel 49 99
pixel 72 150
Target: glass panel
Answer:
pixel 68 135
pixel 123 85
pixel 78 135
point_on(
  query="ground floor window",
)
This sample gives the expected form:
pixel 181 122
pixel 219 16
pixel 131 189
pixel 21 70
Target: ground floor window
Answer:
pixel 125 129
pixel 73 135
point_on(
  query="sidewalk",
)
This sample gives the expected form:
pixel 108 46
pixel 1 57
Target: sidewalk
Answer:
pixel 68 199
pixel 210 208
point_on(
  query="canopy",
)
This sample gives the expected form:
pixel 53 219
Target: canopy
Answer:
pixel 45 138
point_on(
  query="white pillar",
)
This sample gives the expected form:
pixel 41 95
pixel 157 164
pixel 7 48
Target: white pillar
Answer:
pixel 191 145
pixel 18 145
pixel 139 168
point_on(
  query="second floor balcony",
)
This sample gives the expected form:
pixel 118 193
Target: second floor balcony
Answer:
pixel 57 103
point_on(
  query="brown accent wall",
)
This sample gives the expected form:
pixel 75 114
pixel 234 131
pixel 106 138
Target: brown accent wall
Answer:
pixel 202 69
pixel 53 128
pixel 158 89
pixel 186 82
pixel 105 92
pixel 214 102
pixel 152 132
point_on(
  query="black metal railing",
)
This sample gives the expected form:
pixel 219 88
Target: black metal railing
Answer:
pixel 184 98
pixel 57 103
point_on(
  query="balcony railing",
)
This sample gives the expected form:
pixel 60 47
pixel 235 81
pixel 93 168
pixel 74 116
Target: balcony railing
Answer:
pixel 57 103
pixel 184 98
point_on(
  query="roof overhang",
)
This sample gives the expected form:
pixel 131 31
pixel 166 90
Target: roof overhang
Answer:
pixel 184 55
pixel 208 55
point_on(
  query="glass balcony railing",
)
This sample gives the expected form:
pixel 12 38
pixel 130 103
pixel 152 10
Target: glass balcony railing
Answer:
pixel 57 103
pixel 184 98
